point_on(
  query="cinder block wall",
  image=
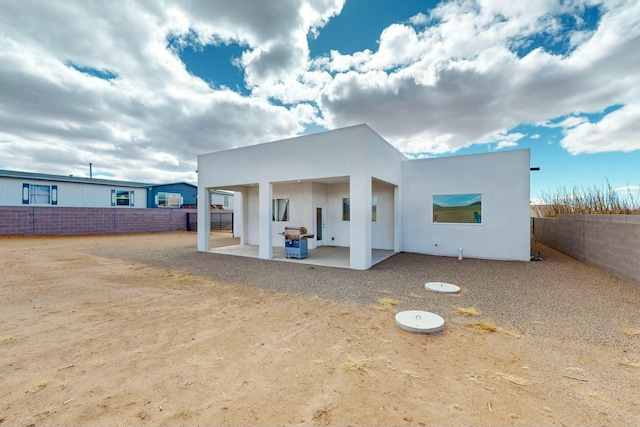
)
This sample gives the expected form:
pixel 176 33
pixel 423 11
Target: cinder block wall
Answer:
pixel 608 242
pixel 65 220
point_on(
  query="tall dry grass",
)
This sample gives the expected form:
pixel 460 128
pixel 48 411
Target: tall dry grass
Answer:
pixel 604 200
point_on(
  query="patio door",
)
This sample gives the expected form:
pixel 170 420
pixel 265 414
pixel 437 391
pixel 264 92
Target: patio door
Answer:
pixel 320 225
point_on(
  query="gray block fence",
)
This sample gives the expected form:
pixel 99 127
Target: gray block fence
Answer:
pixel 608 242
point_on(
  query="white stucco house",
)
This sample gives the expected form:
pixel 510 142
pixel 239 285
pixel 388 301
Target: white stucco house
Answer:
pixel 351 188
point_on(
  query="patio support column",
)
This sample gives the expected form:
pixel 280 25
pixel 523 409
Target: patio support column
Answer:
pixel 265 239
pixel 397 220
pixel 204 218
pixel 360 221
pixel 244 228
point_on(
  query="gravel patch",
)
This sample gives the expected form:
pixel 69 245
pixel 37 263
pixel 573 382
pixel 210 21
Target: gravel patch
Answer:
pixel 558 296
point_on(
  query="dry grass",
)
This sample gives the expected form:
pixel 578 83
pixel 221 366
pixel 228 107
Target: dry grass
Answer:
pixel 357 365
pixel 627 362
pixel 471 311
pixel 386 304
pixel 512 378
pixel 481 378
pixel 594 200
pixel 487 327
pixel 598 396
pixel 631 331
pixel 415 378
pixel 574 370
pixel 98 361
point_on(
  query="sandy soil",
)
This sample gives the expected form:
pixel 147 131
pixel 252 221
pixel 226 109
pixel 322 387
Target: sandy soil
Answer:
pixel 91 340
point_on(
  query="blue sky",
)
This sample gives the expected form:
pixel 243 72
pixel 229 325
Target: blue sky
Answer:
pixel 141 89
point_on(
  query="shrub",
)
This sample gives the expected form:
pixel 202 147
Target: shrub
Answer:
pixel 604 200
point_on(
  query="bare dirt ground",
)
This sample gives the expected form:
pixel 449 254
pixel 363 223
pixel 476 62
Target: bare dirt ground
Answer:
pixel 90 339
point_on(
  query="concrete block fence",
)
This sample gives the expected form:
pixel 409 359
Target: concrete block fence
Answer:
pixel 66 220
pixel 608 242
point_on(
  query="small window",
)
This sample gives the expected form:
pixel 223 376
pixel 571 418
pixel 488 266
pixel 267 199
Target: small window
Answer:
pixel 346 209
pixel 121 198
pixel 374 208
pixel 226 201
pixel 40 194
pixel 280 210
pixel 168 200
pixel 457 208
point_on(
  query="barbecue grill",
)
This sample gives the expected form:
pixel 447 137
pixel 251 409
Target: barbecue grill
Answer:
pixel 295 242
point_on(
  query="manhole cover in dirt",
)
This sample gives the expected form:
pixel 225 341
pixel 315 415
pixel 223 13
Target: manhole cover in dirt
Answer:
pixel 444 288
pixel 420 322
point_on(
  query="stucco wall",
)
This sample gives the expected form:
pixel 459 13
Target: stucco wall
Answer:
pixel 63 220
pixel 303 199
pixel 357 163
pixel 503 180
pixel 322 155
pixel 608 242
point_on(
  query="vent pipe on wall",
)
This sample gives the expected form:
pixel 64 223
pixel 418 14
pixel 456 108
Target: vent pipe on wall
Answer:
pixel 90 170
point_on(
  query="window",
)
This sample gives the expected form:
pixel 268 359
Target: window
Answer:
pixel 122 198
pixel 374 208
pixel 169 200
pixel 458 208
pixel 280 210
pixel 37 194
pixel 40 194
pixel 226 201
pixel 346 209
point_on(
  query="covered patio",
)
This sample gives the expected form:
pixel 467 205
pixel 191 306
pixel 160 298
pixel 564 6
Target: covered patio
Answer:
pixel 327 256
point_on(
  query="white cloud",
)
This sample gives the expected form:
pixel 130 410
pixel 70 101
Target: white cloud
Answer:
pixel 569 122
pixel 439 82
pixel 151 120
pixel 461 78
pixel 617 131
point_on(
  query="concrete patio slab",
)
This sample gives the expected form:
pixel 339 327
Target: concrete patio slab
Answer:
pixel 328 256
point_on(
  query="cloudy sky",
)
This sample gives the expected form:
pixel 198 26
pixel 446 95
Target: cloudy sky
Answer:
pixel 141 88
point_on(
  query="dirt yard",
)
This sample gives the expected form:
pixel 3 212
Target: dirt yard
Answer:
pixel 105 340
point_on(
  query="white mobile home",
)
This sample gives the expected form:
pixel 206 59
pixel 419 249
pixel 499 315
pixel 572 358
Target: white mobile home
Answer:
pixel 38 189
pixel 351 188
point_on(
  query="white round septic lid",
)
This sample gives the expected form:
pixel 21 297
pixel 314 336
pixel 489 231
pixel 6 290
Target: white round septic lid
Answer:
pixel 419 322
pixel 442 287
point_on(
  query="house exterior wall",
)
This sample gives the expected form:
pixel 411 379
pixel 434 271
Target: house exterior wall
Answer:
pixel 224 200
pixel 188 192
pixel 70 194
pixel 382 232
pixel 358 164
pixel 503 180
pixel 355 152
pixel 316 156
